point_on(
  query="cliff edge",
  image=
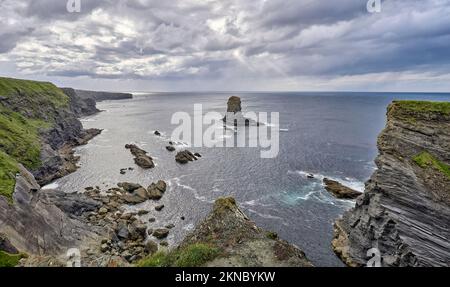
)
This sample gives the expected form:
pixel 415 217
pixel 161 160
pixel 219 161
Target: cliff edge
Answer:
pixel 405 209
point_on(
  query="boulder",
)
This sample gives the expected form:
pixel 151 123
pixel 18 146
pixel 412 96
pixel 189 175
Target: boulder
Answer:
pixel 140 156
pixel 184 157
pixel 144 162
pixel 170 148
pixel 159 207
pixel 141 192
pixel 157 133
pixel 154 194
pixel 151 247
pixel 127 186
pixel 161 233
pixel 340 191
pixel 161 185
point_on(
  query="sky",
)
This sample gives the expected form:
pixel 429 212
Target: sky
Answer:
pixel 229 45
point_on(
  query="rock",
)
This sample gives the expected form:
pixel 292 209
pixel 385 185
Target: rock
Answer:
pixel 103 211
pixel 6 246
pixel 133 199
pixel 141 192
pixel 157 133
pixel 170 226
pixel 143 212
pixel 170 148
pixel 149 231
pixel 311 176
pixel 182 218
pixel 144 162
pixel 126 216
pixel 171 143
pixel 141 229
pixel 127 186
pixel 161 233
pixel 89 188
pixel 159 207
pixel 184 157
pixel 239 242
pixel 339 190
pixel 123 171
pixel 151 247
pixel 405 209
pixel 151 219
pixel 140 156
pixel 234 105
pixel 154 194
pixel 122 231
pixel 104 248
pixel 234 114
pixel 161 185
pixel 197 154
pixel 164 243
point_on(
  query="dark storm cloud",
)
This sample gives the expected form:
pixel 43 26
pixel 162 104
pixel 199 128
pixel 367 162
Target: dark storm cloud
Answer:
pixel 149 39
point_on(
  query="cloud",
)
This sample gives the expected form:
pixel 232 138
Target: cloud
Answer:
pixel 260 40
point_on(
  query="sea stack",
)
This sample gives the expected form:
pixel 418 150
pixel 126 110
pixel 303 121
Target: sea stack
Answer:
pixel 234 115
pixel 405 209
pixel 234 105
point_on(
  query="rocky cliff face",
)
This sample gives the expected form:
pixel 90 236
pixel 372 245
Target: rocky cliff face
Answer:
pixel 81 107
pixel 53 114
pixel 34 223
pixel 102 96
pixel 405 209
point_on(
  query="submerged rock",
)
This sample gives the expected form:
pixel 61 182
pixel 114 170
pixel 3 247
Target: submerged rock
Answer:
pixel 339 190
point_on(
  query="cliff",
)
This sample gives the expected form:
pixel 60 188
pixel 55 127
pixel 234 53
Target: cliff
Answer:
pixel 81 107
pixel 102 96
pixel 405 209
pixel 228 238
pixel 38 129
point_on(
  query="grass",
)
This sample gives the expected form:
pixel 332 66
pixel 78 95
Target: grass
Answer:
pixel 8 169
pixel 9 260
pixel 19 134
pixel 36 92
pixel 193 255
pixel 424 106
pixel 19 143
pixel 426 160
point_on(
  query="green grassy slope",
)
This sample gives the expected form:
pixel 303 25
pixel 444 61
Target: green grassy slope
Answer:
pixel 19 129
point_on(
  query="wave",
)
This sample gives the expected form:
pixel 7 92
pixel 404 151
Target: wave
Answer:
pixel 347 181
pixel 197 196
pixel 264 215
pixel 52 185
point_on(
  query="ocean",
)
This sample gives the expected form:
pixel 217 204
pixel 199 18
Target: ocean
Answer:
pixel 327 134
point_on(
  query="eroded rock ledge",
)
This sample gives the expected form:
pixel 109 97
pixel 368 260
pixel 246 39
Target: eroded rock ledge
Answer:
pixel 405 209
